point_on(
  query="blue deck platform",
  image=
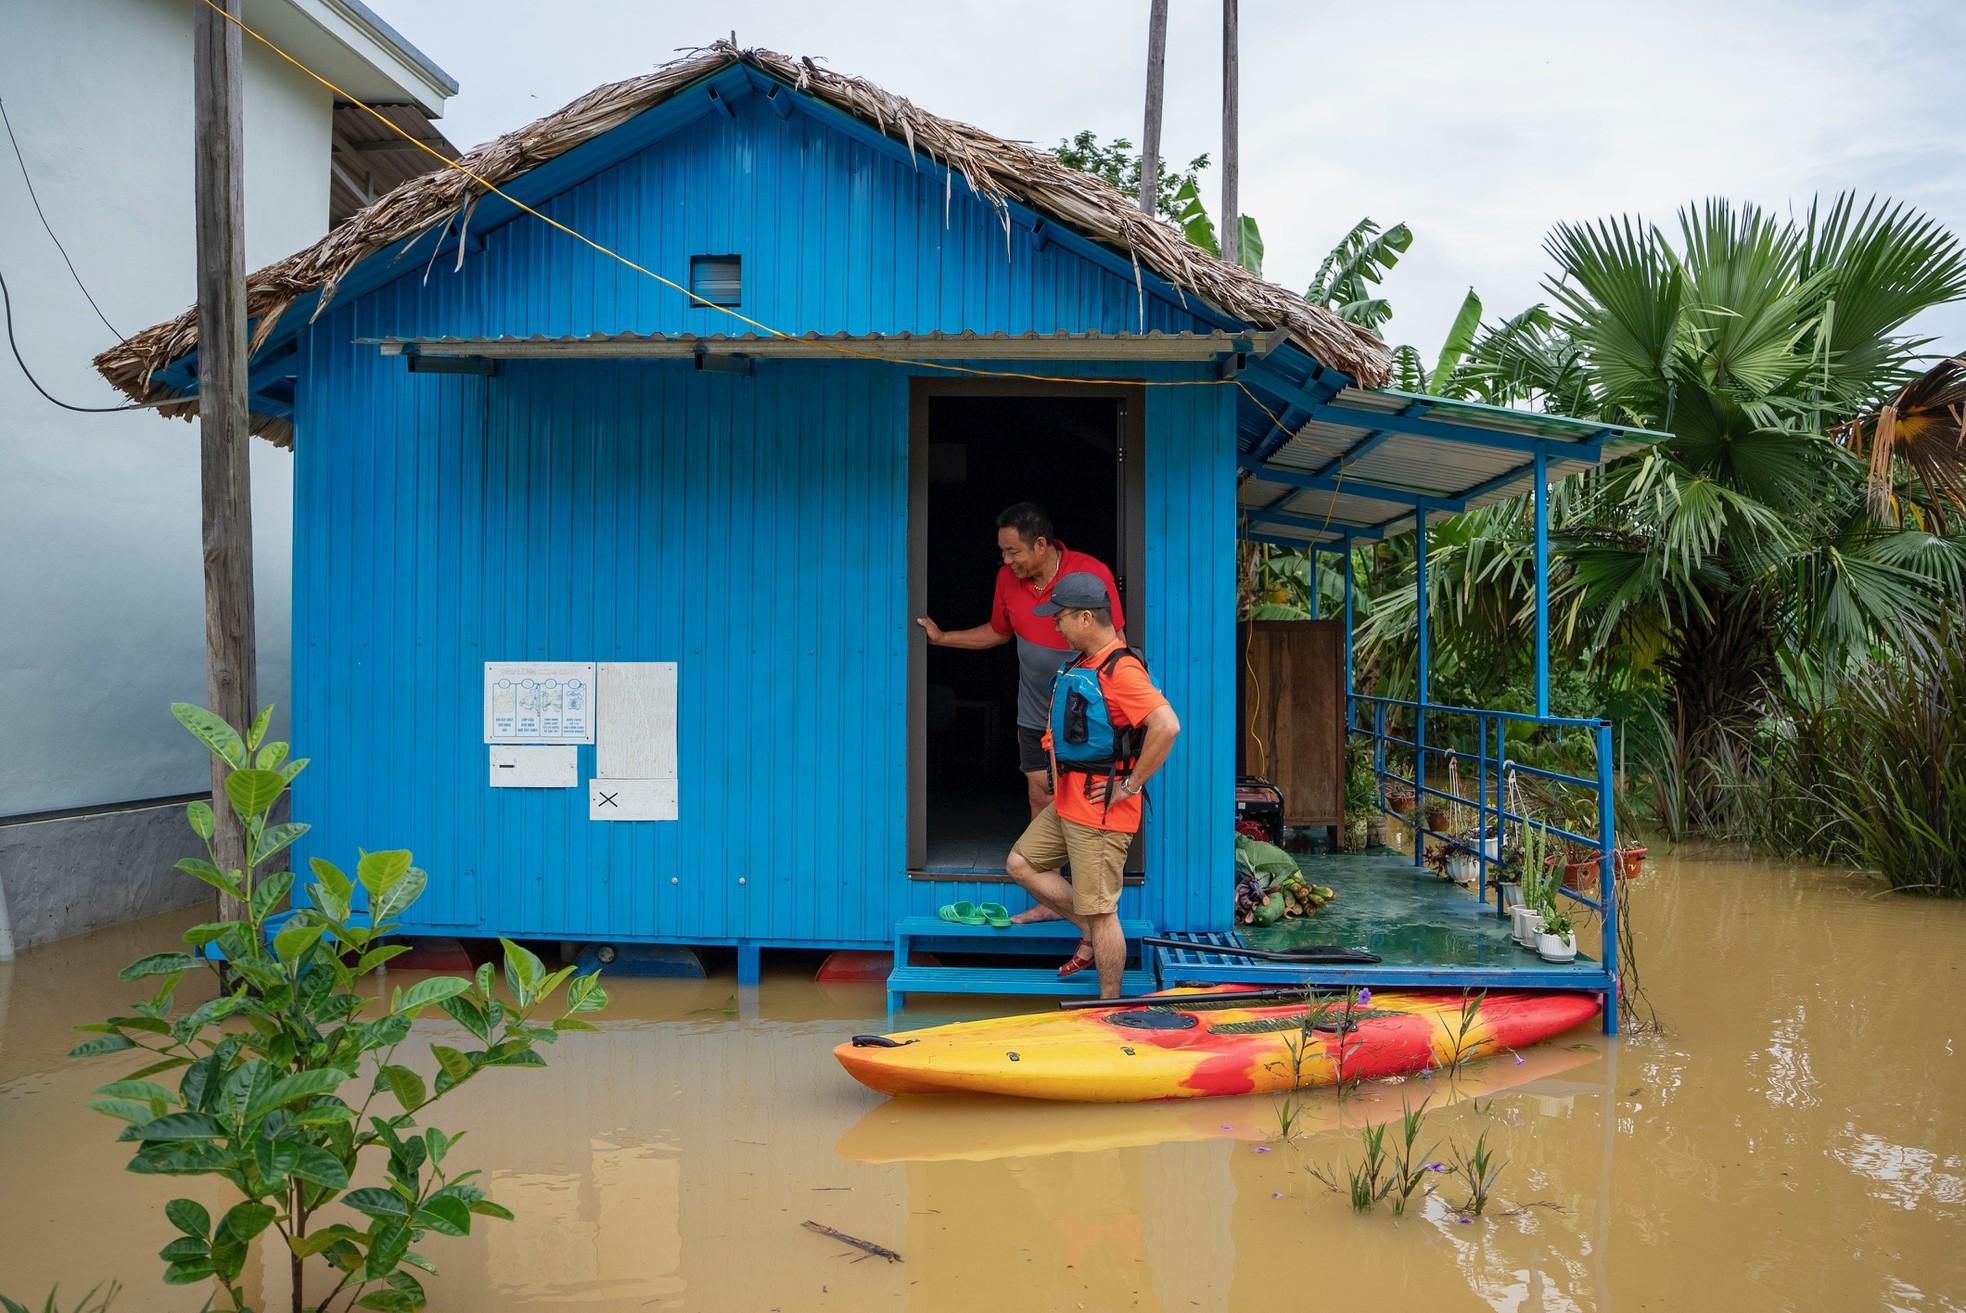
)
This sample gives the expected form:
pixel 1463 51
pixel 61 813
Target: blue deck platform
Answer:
pixel 1427 932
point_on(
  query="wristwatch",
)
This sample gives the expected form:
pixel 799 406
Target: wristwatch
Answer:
pixel 1129 788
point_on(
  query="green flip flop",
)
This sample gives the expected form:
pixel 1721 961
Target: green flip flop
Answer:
pixel 963 913
pixel 995 914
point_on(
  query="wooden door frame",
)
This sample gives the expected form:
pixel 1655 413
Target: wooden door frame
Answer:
pixel 1131 567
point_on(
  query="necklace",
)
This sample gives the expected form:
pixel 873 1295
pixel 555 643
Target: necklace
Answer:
pixel 1057 561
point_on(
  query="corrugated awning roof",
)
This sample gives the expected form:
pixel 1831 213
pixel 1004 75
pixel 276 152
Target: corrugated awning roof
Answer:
pixel 1357 463
pixel 884 346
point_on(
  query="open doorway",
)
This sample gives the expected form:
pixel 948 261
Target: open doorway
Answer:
pixel 974 453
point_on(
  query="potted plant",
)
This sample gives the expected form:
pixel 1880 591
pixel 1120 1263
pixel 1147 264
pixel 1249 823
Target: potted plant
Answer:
pixel 1399 796
pixel 1539 880
pixel 1630 860
pixel 1556 939
pixel 1361 798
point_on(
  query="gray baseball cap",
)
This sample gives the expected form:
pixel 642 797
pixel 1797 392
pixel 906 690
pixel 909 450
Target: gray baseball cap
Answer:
pixel 1077 591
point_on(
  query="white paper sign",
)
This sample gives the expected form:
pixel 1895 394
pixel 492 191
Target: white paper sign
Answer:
pixel 541 766
pixel 539 702
pixel 635 738
pixel 631 800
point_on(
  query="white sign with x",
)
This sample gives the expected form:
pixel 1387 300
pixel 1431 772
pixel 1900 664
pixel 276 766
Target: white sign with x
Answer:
pixel 631 800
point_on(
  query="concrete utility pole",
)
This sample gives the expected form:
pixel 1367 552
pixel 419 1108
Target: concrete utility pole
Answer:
pixel 225 468
pixel 1156 86
pixel 1231 82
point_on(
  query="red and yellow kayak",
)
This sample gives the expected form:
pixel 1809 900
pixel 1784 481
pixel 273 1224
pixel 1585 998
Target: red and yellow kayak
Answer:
pixel 1160 1050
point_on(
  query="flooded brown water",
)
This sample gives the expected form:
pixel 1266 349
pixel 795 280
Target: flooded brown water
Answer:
pixel 1794 1139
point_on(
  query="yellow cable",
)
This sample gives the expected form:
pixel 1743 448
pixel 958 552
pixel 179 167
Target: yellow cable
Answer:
pixel 496 190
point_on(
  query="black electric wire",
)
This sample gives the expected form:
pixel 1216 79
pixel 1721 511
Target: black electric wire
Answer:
pixel 7 302
pixel 9 124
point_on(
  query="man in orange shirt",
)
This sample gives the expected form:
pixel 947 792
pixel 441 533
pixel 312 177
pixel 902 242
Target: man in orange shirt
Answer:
pixel 1110 730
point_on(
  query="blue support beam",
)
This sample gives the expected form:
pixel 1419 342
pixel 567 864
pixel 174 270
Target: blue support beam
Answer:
pixel 1322 385
pixel 1315 523
pixel 1348 632
pixel 1369 491
pixel 1542 493
pixel 1421 689
pixel 1374 440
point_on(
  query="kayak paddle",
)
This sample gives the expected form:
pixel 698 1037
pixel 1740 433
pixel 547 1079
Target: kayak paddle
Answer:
pixel 1331 954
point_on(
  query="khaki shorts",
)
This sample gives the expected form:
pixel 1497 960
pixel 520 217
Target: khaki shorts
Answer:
pixel 1098 858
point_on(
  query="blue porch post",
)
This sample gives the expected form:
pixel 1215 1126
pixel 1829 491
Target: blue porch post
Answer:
pixel 1420 687
pixel 1350 722
pixel 1607 826
pixel 1314 583
pixel 1542 582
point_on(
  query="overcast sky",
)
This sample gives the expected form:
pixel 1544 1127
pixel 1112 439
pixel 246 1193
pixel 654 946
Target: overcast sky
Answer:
pixel 1480 125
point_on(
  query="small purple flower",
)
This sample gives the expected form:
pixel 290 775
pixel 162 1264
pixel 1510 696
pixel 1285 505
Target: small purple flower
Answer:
pixel 1465 1221
pixel 1262 1149
pixel 1228 1128
pixel 1277 1194
pixel 1436 1167
pixel 1518 1059
pixel 1364 997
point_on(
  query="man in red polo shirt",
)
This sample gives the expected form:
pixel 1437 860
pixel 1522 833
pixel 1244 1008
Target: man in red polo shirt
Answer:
pixel 1033 561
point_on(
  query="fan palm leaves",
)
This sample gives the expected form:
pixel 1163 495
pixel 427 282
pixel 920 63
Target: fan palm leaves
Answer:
pixel 1923 429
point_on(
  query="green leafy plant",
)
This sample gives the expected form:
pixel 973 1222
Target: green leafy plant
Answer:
pixel 1478 1171
pixel 1318 1011
pixel 1361 788
pixel 1369 1182
pixel 1409 1162
pixel 91 1302
pixel 1465 1048
pixel 292 1079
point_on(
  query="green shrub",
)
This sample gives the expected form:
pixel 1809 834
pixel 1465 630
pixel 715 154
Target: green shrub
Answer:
pixel 291 1078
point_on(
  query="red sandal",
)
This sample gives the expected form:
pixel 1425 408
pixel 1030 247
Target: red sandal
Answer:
pixel 1080 960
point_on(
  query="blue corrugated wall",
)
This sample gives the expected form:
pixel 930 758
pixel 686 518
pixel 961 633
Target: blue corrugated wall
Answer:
pixel 753 529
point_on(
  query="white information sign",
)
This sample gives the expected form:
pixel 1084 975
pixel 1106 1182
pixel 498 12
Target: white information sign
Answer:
pixel 539 702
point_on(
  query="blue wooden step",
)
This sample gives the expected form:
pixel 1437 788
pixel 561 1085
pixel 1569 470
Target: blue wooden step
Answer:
pixel 1042 937
pixel 1004 980
pixel 934 927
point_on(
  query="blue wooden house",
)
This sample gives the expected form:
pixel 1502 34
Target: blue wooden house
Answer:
pixel 725 372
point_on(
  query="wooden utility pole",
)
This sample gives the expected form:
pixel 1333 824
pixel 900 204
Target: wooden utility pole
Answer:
pixel 1231 82
pixel 1156 86
pixel 224 464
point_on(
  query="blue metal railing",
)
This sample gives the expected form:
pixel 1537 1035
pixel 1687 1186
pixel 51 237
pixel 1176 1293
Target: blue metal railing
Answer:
pixel 1489 754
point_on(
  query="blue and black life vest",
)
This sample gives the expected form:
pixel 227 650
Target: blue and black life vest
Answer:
pixel 1086 736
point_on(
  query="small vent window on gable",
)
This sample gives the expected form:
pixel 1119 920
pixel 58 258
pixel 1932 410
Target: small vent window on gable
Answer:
pixel 718 279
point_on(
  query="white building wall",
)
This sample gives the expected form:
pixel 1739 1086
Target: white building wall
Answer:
pixel 101 591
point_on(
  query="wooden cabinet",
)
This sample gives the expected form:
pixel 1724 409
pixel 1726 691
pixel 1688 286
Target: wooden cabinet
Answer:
pixel 1292 709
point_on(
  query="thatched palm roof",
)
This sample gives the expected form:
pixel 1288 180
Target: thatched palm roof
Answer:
pixel 996 169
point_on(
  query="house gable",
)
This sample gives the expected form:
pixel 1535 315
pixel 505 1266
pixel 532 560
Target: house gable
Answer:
pixel 836 229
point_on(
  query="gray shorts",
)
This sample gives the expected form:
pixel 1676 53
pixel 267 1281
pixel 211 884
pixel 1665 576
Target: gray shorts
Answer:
pixel 1031 755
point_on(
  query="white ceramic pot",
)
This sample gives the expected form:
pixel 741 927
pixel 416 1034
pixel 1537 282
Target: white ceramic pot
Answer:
pixel 1511 899
pixel 1528 924
pixel 1462 868
pixel 1556 948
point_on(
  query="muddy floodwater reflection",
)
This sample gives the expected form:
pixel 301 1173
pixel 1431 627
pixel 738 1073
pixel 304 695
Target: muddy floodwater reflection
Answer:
pixel 1795 1138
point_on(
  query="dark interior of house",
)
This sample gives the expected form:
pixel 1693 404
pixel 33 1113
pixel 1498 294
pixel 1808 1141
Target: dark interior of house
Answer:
pixel 985 454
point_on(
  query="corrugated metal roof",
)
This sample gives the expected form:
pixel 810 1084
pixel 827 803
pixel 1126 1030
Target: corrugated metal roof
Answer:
pixel 1155 345
pixel 1359 462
